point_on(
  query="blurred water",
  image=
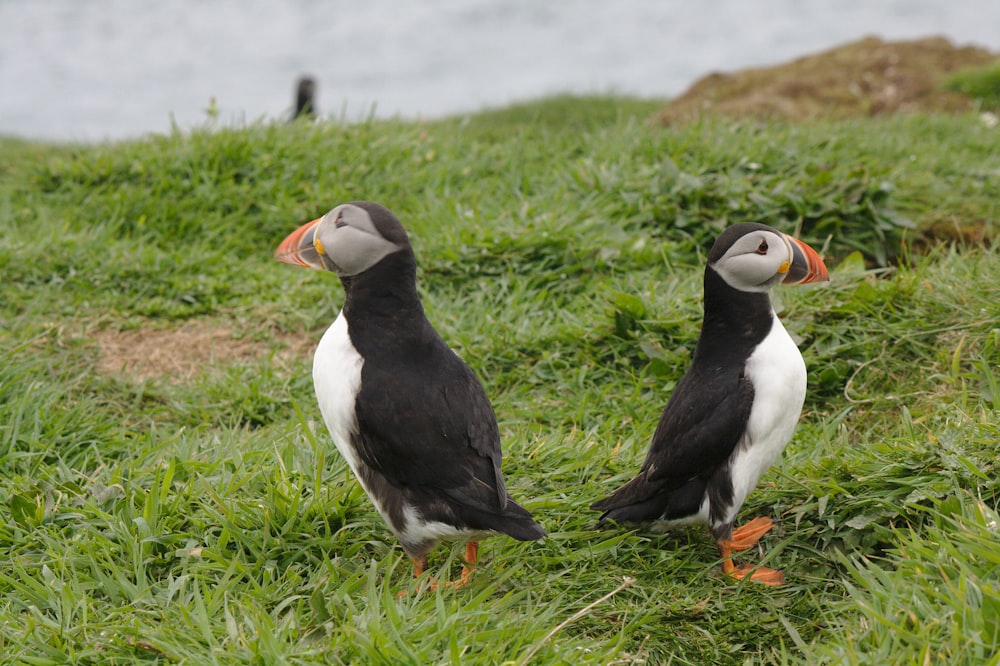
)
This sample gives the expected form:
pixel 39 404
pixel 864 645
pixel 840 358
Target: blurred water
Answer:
pixel 94 69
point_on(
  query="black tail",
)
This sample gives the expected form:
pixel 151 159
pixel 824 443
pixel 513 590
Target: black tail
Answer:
pixel 650 509
pixel 640 500
pixel 517 522
pixel 636 501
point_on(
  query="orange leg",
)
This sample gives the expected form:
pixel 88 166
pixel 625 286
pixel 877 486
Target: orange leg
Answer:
pixel 419 567
pixel 471 558
pixel 747 535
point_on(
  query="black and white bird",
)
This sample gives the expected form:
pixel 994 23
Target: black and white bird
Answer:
pixel 736 407
pixel 305 98
pixel 408 415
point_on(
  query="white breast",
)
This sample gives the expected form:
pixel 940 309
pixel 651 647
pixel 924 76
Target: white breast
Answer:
pixel 778 374
pixel 337 380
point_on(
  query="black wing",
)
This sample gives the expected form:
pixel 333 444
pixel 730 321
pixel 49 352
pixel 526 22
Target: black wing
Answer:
pixel 430 424
pixel 698 431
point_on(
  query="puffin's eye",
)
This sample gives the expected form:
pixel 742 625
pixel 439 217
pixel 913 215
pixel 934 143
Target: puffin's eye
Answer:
pixel 762 248
pixel 340 220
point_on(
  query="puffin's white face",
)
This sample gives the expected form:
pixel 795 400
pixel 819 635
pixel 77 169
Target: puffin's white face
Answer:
pixel 756 261
pixel 346 240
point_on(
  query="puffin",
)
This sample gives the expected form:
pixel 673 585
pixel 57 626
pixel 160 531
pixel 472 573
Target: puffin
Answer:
pixel 734 410
pixel 409 416
pixel 305 98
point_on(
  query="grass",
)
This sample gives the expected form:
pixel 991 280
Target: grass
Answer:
pixel 980 83
pixel 205 518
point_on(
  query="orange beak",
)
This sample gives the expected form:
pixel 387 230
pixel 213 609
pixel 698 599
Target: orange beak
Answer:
pixel 806 265
pixel 299 247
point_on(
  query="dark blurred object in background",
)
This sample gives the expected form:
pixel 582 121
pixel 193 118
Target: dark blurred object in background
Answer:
pixel 305 98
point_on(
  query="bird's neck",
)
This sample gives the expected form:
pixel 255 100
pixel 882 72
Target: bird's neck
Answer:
pixel 384 295
pixel 734 321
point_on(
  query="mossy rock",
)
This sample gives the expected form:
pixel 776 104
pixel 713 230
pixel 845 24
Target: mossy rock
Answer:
pixel 869 77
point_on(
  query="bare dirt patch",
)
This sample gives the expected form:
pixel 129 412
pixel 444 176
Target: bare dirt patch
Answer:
pixel 869 77
pixel 194 348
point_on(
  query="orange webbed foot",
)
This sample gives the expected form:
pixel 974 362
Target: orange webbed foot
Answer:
pixel 748 535
pixel 763 575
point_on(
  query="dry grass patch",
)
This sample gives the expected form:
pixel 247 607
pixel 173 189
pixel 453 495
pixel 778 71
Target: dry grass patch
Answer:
pixel 869 77
pixel 195 347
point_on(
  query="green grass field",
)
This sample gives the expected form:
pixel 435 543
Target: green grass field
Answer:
pixel 169 495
